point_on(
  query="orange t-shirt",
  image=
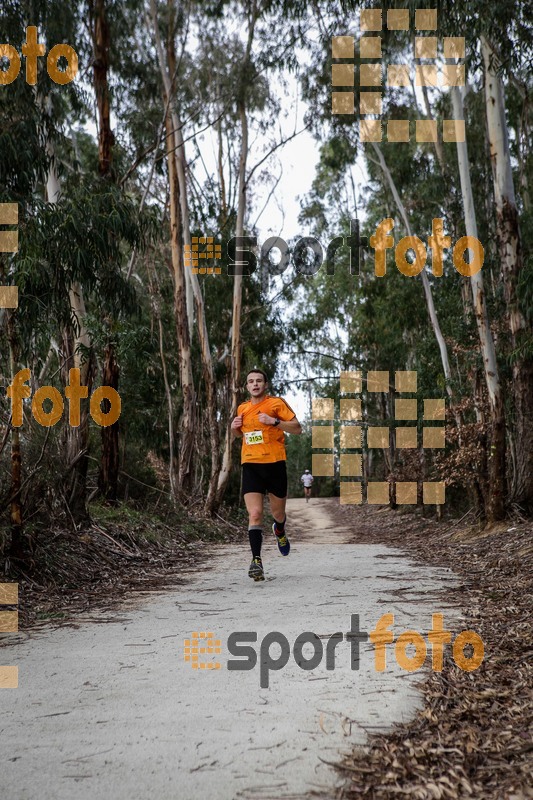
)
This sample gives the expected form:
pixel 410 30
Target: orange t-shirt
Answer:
pixel 263 444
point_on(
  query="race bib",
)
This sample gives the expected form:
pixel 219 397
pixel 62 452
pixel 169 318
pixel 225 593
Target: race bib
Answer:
pixel 254 437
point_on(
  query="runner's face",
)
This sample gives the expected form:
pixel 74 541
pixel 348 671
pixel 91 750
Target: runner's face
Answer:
pixel 256 384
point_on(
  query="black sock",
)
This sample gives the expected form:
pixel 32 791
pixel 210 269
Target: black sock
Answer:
pixel 280 527
pixel 255 534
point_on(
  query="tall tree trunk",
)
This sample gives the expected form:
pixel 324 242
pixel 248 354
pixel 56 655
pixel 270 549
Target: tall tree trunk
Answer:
pixel 109 465
pixel 425 281
pixel 18 548
pixel 167 68
pixel 155 296
pixel 496 459
pixel 76 439
pixel 101 40
pixel 510 247
pixel 192 285
pixel 75 340
pixel 235 357
pixel 185 470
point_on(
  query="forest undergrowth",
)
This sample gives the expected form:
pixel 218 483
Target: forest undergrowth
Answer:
pixel 119 551
pixel 472 739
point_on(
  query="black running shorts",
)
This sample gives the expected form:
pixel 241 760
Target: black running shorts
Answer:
pixel 271 478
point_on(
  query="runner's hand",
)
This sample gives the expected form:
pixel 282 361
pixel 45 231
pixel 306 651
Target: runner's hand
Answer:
pixel 266 419
pixel 236 424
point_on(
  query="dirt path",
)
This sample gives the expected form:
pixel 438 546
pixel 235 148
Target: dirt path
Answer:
pixel 113 710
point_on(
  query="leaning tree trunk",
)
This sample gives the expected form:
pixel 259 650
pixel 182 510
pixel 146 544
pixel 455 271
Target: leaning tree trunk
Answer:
pixel 510 247
pixel 496 458
pixel 432 312
pixel 235 358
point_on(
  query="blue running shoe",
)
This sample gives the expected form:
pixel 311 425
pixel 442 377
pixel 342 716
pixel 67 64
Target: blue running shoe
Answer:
pixel 284 546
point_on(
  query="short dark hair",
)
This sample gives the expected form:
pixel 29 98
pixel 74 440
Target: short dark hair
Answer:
pixel 260 372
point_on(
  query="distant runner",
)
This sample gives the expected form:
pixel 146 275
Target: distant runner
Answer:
pixel 307 480
pixel 262 422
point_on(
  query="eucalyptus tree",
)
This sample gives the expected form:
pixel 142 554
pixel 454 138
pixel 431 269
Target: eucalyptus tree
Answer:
pixel 27 121
pixel 506 33
pixel 503 50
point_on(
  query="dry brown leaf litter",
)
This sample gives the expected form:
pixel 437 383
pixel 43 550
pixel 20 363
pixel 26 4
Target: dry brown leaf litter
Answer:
pixel 72 573
pixel 473 739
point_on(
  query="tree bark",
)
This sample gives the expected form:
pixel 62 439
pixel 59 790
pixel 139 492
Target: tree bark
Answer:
pixel 109 465
pixel 101 40
pixel 496 458
pixel 235 357
pixel 185 458
pixel 76 439
pixel 18 548
pixel 425 282
pixel 192 285
pixel 167 68
pixel 510 247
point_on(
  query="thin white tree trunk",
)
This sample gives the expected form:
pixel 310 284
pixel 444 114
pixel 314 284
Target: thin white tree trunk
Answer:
pixel 77 303
pixel 184 345
pixel 478 290
pixel 179 153
pixel 425 282
pixel 77 348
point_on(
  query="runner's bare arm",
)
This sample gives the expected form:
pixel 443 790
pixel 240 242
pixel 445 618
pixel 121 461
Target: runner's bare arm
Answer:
pixel 236 427
pixel 292 426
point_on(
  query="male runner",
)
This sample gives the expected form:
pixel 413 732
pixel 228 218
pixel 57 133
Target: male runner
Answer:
pixel 307 480
pixel 262 422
